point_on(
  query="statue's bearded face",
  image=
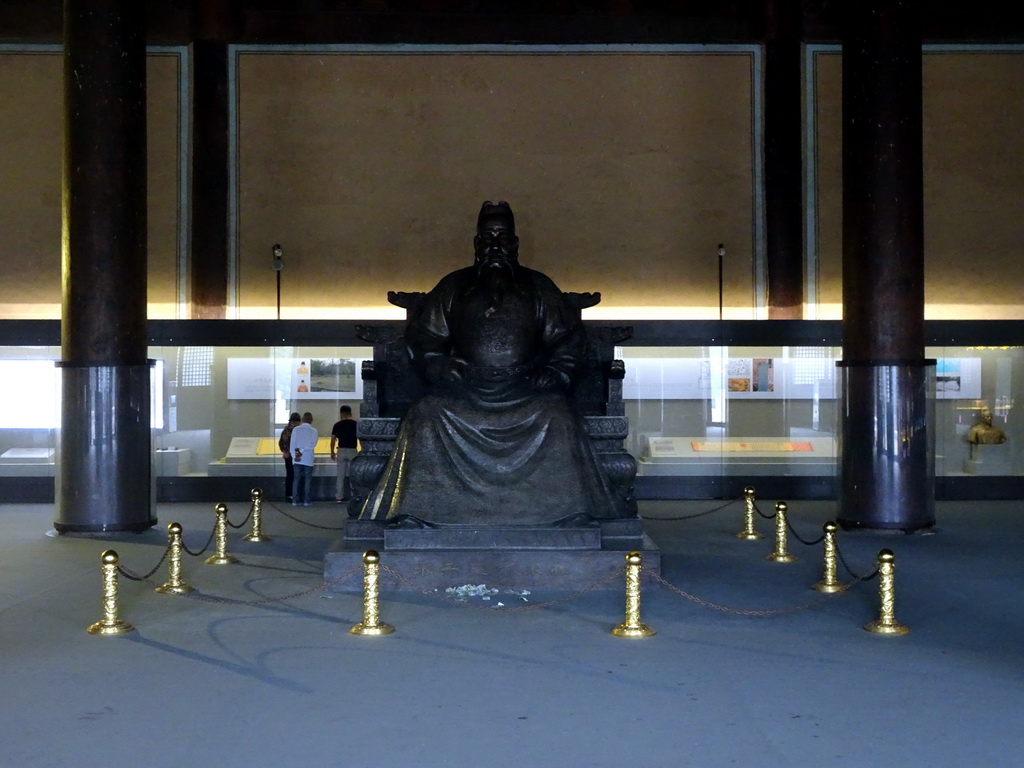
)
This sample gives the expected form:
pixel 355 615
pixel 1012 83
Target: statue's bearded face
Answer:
pixel 496 246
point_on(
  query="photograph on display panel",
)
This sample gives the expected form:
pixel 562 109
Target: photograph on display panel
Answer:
pixel 958 378
pixel 294 379
pixel 758 378
pixel 326 377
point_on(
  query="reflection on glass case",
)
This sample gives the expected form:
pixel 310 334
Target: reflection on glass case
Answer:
pixel 977 430
pixel 693 411
pixel 731 410
pixel 227 405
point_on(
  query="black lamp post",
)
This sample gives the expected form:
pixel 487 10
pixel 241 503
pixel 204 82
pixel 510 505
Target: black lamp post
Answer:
pixel 721 257
pixel 278 265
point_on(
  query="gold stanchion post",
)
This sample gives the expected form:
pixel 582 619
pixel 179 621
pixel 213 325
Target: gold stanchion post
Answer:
pixel 886 623
pixel 257 518
pixel 174 584
pixel 371 623
pixel 632 626
pixel 111 623
pixel 748 533
pixel 829 582
pixel 220 533
pixel 780 554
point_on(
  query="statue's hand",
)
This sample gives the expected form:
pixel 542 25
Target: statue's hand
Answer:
pixel 548 379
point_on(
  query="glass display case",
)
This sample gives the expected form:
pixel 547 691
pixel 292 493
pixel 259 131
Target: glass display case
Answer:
pixel 225 407
pixel 739 411
pixel 29 412
pixel 703 419
pixel 978 431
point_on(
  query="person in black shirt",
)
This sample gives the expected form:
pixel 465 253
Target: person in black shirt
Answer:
pixel 343 449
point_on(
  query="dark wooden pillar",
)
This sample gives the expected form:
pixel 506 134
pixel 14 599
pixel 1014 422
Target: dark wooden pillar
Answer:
pixel 209 194
pixel 886 430
pixel 104 479
pixel 783 159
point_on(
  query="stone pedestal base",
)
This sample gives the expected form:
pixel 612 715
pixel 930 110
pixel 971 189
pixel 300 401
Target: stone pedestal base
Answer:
pixel 502 557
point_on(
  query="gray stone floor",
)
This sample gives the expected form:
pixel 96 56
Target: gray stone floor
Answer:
pixel 234 680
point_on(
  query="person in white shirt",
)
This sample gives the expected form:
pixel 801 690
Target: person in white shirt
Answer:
pixel 303 445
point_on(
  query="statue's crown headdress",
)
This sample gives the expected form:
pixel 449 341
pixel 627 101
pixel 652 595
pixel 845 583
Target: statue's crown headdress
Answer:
pixel 490 211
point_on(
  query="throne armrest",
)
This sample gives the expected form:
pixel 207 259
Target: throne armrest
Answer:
pixel 407 300
pixel 580 301
pixel 376 334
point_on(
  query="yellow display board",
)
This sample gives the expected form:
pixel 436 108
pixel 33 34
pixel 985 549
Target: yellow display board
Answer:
pixel 737 445
pixel 269 446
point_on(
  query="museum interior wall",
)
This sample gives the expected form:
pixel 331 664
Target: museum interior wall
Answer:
pixel 630 167
pixel 973 182
pixel 625 171
pixel 31 151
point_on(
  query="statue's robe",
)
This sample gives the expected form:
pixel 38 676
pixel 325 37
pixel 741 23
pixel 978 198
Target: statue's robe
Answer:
pixel 487 447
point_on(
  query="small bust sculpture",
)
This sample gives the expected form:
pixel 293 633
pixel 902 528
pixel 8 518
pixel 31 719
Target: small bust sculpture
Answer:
pixel 985 432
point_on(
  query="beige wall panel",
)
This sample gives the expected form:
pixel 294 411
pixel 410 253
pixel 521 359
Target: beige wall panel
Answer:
pixel 828 151
pixel 31 149
pixel 31 141
pixel 624 171
pixel 163 115
pixel 973 184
